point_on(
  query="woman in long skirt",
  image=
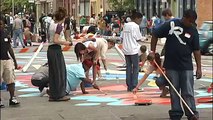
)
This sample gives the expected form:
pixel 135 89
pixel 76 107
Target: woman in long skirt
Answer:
pixel 57 69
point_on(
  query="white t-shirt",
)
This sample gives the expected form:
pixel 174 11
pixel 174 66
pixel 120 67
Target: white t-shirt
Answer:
pixel 11 20
pixel 130 35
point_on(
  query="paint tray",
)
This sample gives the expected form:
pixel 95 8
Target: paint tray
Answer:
pixel 143 102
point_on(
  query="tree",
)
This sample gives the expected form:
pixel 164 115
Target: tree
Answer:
pixel 18 4
pixel 121 5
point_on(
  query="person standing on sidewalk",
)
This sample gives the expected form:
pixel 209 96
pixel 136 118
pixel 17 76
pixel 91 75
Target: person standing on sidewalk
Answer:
pixel 182 40
pixel 7 65
pixel 18 28
pixel 57 68
pixel 130 35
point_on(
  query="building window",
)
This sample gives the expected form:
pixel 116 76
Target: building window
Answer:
pixel 148 9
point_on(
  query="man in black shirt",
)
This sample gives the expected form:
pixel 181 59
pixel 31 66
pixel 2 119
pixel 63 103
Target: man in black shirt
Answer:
pixel 8 63
pixel 182 40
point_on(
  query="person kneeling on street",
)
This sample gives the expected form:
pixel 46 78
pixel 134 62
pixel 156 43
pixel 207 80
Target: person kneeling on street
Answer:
pixel 160 81
pixel 75 76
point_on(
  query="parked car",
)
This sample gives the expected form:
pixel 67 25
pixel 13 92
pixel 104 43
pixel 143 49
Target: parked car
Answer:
pixel 206 37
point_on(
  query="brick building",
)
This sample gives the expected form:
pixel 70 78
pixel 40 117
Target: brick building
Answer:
pixel 204 11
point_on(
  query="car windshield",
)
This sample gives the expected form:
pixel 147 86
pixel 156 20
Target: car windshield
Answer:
pixel 206 26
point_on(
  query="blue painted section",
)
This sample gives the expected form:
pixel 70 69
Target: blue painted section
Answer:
pixel 118 103
pixel 27 73
pixel 206 80
pixel 202 93
pixel 19 84
pixel 87 104
pixel 207 105
pixel 29 90
pixel 83 97
pixel 30 95
pixel 103 99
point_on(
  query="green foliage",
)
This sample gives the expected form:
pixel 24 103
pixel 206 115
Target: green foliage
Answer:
pixel 121 5
pixel 6 5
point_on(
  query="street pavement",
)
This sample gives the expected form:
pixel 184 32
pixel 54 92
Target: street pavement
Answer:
pixel 112 103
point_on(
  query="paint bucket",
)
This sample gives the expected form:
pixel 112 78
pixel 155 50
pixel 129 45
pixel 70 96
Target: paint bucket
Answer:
pixel 3 86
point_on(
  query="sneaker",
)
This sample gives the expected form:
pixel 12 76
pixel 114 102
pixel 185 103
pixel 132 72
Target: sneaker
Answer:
pixel 14 102
pixel 140 89
pixel 165 91
pixel 43 92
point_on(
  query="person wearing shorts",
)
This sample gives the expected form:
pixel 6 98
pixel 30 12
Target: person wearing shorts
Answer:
pixel 7 64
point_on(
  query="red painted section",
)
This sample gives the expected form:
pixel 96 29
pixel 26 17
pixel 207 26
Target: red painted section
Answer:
pixel 23 50
pixel 66 48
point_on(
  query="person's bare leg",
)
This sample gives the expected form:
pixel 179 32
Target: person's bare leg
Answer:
pixel 13 101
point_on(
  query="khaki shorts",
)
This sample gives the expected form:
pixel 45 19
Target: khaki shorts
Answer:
pixel 7 71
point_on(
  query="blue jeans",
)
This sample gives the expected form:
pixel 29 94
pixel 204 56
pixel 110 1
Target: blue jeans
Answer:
pixel 161 81
pixel 18 33
pixel 183 81
pixel 132 69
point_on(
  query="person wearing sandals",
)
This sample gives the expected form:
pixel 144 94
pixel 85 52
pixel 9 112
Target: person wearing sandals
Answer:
pixel 75 77
pixel 7 65
pixel 57 68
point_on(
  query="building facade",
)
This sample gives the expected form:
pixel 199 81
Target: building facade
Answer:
pixel 150 7
pixel 204 11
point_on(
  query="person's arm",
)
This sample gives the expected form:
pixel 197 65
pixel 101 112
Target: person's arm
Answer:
pixel 150 69
pixel 13 57
pixel 140 83
pixel 197 56
pixel 104 63
pixel 94 72
pixel 102 53
pixel 87 80
pixel 154 40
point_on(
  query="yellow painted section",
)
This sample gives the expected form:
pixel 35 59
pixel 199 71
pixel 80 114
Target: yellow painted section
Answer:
pixel 152 83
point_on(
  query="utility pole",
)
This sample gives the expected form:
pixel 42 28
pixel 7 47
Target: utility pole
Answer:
pixel 13 7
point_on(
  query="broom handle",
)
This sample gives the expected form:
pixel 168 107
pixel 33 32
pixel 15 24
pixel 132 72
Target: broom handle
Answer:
pixel 174 88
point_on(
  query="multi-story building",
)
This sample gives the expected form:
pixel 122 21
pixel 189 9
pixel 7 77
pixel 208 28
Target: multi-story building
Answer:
pixel 149 7
pixel 204 11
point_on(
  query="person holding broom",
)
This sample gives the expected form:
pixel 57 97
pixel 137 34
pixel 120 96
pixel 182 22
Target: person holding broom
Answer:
pixel 182 40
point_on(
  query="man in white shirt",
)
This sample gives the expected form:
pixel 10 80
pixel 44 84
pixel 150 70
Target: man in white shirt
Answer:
pixel 131 34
